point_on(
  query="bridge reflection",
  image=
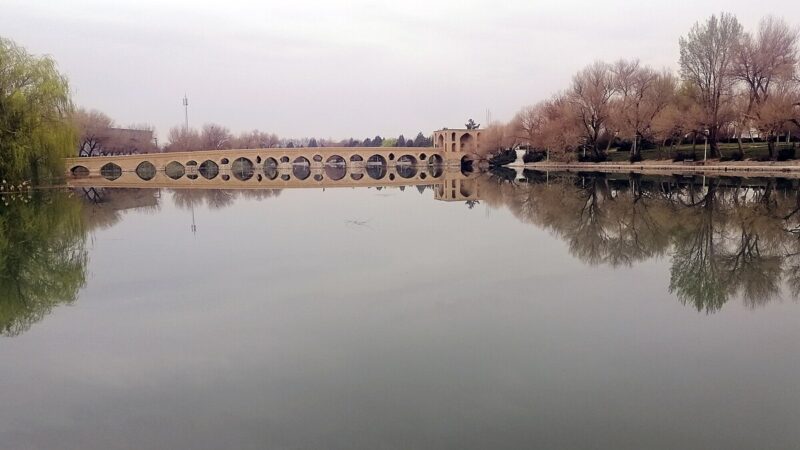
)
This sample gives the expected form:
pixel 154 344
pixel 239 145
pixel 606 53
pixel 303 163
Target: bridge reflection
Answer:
pixel 449 183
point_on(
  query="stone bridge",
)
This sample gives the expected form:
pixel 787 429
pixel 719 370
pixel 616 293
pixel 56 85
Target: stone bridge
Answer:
pixel 276 168
pixel 291 166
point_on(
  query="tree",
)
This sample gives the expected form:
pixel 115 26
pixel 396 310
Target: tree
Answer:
pixel 706 59
pixel 92 127
pixel 527 124
pixel 560 133
pixel 471 125
pixel 256 139
pixel 312 143
pixel 421 140
pixel 36 132
pixel 766 64
pixel 495 138
pixel 590 95
pixel 182 139
pixel 215 137
pixel 401 141
pixel 377 141
pixel 643 93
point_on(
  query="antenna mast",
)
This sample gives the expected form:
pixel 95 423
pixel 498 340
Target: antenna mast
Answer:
pixel 186 110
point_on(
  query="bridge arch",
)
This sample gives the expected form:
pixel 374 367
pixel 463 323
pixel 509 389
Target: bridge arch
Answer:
pixel 406 166
pixel 242 169
pixel 209 169
pixel 79 171
pixel 175 170
pixel 376 167
pixel 301 168
pixel 111 171
pixel 146 170
pixel 270 168
pixel 335 168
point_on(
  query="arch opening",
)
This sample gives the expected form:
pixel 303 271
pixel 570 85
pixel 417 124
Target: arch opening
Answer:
pixel 175 170
pixel 111 171
pixel 79 172
pixel 209 169
pixel 376 167
pixel 301 168
pixel 270 168
pixel 242 169
pixel 146 170
pixel 406 166
pixel 335 168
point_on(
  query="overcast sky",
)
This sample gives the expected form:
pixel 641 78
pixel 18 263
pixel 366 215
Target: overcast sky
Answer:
pixel 344 68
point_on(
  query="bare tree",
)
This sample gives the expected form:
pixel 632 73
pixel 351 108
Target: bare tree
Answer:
pixel 766 64
pixel 707 56
pixel 643 93
pixel 181 139
pixel 93 129
pixel 215 137
pixel 560 133
pixel 527 124
pixel 591 93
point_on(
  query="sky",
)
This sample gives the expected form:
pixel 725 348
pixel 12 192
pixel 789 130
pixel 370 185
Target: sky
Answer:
pixel 338 69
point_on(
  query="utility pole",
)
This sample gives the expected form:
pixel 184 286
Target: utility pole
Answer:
pixel 186 111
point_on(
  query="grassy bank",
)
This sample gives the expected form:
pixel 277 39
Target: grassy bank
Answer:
pixel 755 151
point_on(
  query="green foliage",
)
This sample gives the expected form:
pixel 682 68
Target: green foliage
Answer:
pixel 35 105
pixel 471 125
pixel 42 257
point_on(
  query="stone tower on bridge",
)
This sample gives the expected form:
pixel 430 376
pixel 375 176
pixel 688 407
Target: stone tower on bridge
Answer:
pixel 467 142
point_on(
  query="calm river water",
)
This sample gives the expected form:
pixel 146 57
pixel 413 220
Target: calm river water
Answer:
pixel 557 312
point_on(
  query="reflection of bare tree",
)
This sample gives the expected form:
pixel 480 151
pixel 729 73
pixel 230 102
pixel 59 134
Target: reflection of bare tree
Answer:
pixel 727 237
pixel 218 198
pixel 103 207
pixel 695 276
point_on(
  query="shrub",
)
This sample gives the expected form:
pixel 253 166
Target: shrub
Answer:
pixel 681 156
pixel 591 158
pixel 733 157
pixel 532 156
pixel 786 154
pixel 507 156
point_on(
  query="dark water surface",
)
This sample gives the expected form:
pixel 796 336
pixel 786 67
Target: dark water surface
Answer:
pixel 565 312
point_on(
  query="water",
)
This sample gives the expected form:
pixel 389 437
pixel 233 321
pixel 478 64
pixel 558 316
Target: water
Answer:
pixel 562 312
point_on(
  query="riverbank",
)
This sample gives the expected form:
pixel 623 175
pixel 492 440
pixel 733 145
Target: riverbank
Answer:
pixel 667 167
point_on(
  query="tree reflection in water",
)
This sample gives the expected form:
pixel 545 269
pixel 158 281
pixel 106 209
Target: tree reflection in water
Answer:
pixel 726 237
pixel 42 256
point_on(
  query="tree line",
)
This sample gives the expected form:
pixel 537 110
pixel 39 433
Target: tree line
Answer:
pixel 212 136
pixel 732 85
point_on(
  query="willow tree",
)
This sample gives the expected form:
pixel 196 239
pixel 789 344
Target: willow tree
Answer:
pixel 35 105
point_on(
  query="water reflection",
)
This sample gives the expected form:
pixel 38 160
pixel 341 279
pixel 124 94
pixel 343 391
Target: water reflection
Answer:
pixel 42 256
pixel 726 237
